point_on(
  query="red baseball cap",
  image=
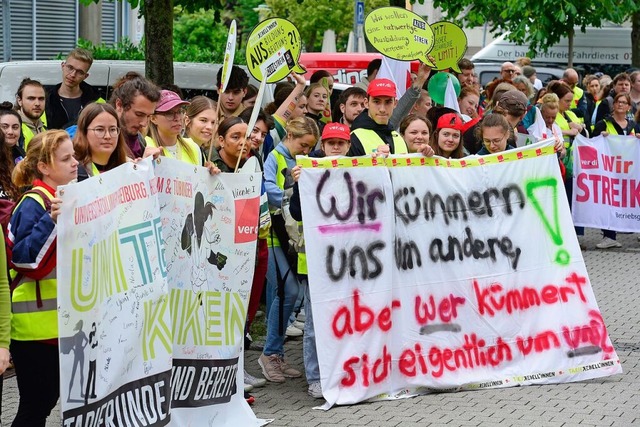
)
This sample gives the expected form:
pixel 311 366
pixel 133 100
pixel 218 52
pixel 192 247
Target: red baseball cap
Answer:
pixel 451 121
pixel 336 130
pixel 382 87
pixel 169 100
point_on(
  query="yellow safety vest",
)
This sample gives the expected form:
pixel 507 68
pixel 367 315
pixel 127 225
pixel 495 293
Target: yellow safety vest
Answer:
pixel 28 321
pixel 577 94
pixel 28 133
pixel 371 140
pixel 272 239
pixel 564 125
pixel 194 156
pixel 612 130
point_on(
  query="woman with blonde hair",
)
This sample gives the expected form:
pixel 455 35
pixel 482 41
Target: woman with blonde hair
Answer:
pixel 49 163
pixel 200 122
pixel 302 134
pixel 165 129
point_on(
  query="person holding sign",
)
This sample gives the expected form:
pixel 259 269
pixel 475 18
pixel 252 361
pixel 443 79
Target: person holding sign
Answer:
pixel 99 145
pixel 302 135
pixel 415 130
pixel 335 142
pixel 446 139
pixel 494 131
pixel 200 121
pixel 165 128
pixel 49 163
pixel 231 99
pixel 616 124
pixel 371 131
pixel 317 100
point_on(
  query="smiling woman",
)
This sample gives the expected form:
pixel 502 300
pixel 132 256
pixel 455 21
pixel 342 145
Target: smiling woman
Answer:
pixel 98 144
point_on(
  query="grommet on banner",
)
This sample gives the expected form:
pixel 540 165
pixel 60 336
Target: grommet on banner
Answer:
pixel 195 170
pixel 135 166
pixel 158 160
pixel 61 191
pixel 100 180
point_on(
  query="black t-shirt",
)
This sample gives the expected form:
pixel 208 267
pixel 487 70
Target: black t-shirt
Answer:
pixel 73 106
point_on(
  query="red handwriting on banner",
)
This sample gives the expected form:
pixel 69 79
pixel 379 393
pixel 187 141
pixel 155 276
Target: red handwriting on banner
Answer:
pixel 541 342
pixel 360 317
pixel 594 333
pixel 474 353
pixel 494 298
pixel 445 310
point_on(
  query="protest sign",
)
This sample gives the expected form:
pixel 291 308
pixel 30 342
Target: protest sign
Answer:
pixel 434 274
pixel 606 183
pixel 273 50
pixel 160 266
pixel 450 45
pixel 209 226
pixel 399 34
pixel 113 321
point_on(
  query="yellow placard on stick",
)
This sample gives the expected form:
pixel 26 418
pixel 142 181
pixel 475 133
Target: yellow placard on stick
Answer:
pixel 274 45
pixel 450 45
pixel 399 34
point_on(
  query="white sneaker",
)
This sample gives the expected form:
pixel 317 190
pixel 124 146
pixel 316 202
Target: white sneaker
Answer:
pixel 301 316
pixel 608 243
pixel 315 390
pixel 298 324
pixel 248 387
pixel 253 381
pixel 293 332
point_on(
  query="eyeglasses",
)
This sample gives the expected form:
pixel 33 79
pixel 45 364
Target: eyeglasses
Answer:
pixel 496 141
pixel 101 132
pixel 171 114
pixel 73 70
pixel 622 102
pixel 509 71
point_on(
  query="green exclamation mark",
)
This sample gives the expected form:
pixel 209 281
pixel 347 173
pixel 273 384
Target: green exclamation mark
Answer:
pixel 551 222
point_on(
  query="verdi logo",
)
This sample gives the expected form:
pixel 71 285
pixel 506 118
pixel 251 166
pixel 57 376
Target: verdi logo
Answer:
pixel 588 157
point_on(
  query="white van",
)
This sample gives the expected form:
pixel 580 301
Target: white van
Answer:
pixel 192 78
pixel 595 48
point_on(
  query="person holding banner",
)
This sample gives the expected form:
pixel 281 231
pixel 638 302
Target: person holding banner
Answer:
pixel 49 163
pixel 415 130
pixel 446 138
pixel 616 123
pixel 99 146
pixel 200 122
pixel 165 128
pixel 335 142
pixel 302 135
pixel 371 131
pixel 494 132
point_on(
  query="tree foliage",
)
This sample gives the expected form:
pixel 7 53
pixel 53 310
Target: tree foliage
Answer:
pixel 540 23
pixel 314 17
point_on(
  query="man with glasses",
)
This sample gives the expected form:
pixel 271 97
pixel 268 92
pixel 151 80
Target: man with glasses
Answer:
pixel 508 71
pixel 68 98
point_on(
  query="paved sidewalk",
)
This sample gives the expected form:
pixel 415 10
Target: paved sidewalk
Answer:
pixel 612 401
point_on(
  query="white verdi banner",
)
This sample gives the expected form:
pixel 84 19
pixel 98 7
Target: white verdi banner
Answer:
pixel 159 284
pixel 113 321
pixel 209 225
pixel 606 182
pixel 431 274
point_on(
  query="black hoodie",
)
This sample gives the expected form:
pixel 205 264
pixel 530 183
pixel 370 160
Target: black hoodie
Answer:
pixel 57 117
pixel 363 121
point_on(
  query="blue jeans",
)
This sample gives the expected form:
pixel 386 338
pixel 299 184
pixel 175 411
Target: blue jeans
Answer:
pixel 275 341
pixel 309 350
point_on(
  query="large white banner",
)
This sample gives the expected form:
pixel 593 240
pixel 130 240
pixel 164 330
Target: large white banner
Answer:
pixel 209 225
pixel 606 182
pixel 159 266
pixel 432 274
pixel 114 325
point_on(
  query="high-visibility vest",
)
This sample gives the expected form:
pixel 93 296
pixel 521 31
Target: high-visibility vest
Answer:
pixel 577 95
pixel 371 140
pixel 612 130
pixel 28 134
pixel 34 304
pixel 193 155
pixel 272 240
pixel 564 125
